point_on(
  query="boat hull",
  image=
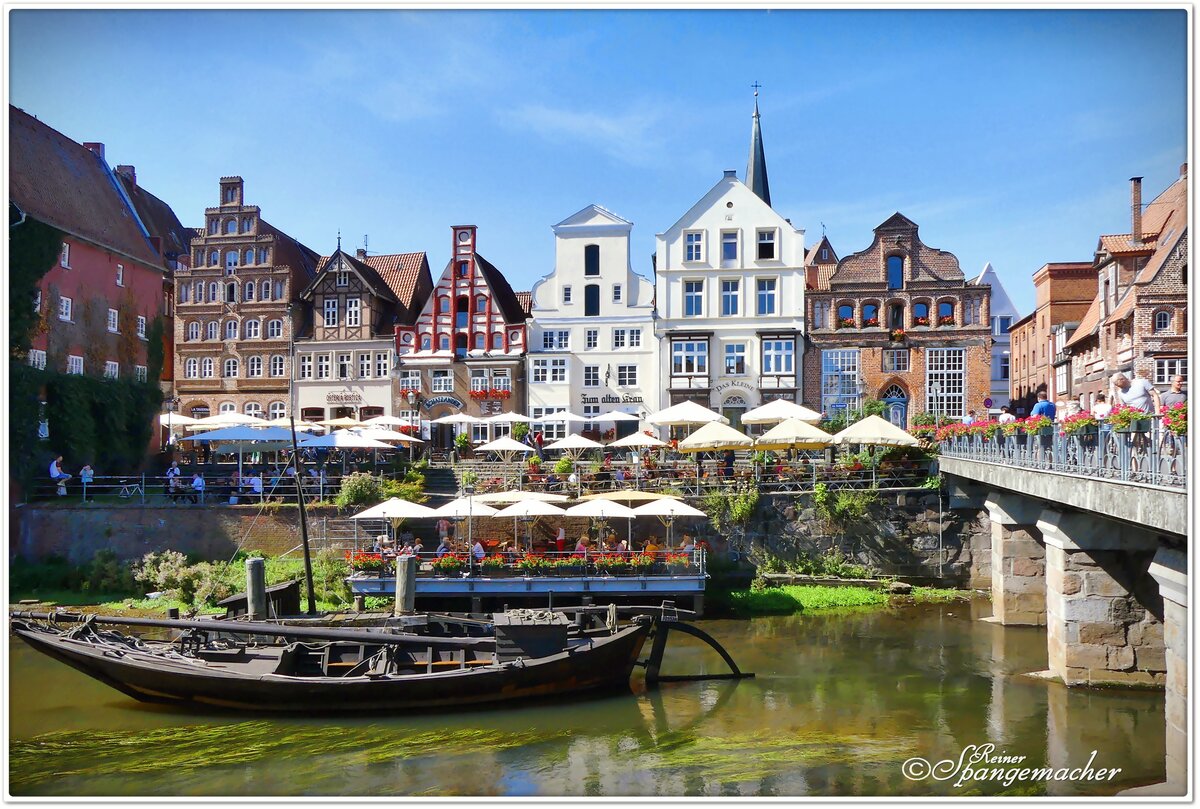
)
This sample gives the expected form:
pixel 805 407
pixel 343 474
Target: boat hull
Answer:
pixel 602 663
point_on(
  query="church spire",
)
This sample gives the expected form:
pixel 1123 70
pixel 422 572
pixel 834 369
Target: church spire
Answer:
pixel 756 166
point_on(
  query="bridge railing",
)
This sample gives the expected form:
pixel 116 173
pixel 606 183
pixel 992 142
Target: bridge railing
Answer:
pixel 1149 454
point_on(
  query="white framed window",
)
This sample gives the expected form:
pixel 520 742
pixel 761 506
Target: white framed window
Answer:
pixel 227 407
pixel 551 431
pixel 207 368
pixel 231 329
pixel 735 359
pixel 120 275
pixel 343 278
pixel 248 294
pixel 689 357
pixel 693 245
pixel 112 370
pixel 895 360
pixel 64 309
pixel 113 321
pixel 620 338
pixel 383 366
pixel 353 312
pixel 74 364
pixel 635 338
pixel 627 376
pixel 64 260
pixel 410 379
pixel 441 382
pixel 766 245
pixel 193 330
pixel 214 292
pixel 766 296
pixel 331 312
pixel 277 365
pixel 210 330
pixel 198 288
pixel 730 297
pixel 591 376
pixel 274 328
pixel 617 293
pixel 541 370
pixel 306 366
pixel 945 380
pixel 252 328
pixel 266 291
pixel 249 257
pixel 591 338
pixel 253 409
pixel 1167 369
pixel 344 365
pixel 277 410
pixel 364 365
pixel 140 373
pixel 824 254
pixel 229 368
pixel 1002 369
pixel 279 287
pixel 1001 324
pixel 254 367
pixel 1162 321
pixel 550 370
pixel 184 292
pixel 37 358
pixel 839 380
pixel 566 293
pixel 479 433
pixel 141 326
pixel 556 340
pixel 479 380
pixel 779 356
pixel 501 380
pixel 729 248
pixel 191 369
pixel 693 298
pixel 323 365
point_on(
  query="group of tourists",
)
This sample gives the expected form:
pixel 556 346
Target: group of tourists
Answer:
pixel 1138 393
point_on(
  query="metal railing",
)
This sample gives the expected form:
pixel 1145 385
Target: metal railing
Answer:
pixel 1154 456
pixel 550 564
pixel 219 488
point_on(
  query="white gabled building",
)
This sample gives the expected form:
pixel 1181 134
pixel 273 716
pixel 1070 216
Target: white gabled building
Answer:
pixel 729 279
pixel 1004 314
pixel 592 348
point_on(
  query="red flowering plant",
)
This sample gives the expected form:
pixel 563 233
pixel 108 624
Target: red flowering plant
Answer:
pixel 533 565
pixel 1033 424
pixel 1078 422
pixel 946 320
pixel 845 323
pixel 871 322
pixel 675 561
pixel 500 393
pixel 920 321
pixel 1175 418
pixel 897 335
pixel 642 562
pixel 610 563
pixel 925 431
pixel 406 392
pixel 987 429
pixel 409 429
pixel 448 564
pixel 1011 427
pixel 479 394
pixel 1122 416
pixel 365 561
pixel 954 429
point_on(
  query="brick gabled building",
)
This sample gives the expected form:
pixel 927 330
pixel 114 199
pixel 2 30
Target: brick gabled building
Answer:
pixel 1137 319
pixel 345 345
pixel 97 302
pixel 236 312
pixel 898 322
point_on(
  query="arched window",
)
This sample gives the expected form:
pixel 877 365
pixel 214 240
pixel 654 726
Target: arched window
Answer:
pixel 278 290
pixel 213 292
pixel 227 407
pixel 249 257
pixel 845 316
pixel 460 345
pixel 231 260
pixel 895 272
pixel 250 286
pixel 920 314
pixel 277 365
pixel 277 410
pixel 194 330
pixel 591 259
pixel 184 289
pixel 262 255
pixel 206 367
pixel 246 222
pixel 895 316
pixel 214 258
pixel 893 392
pixel 426 342
pixel 463 312
pixel 253 409
pixel 946 313
pixel 591 300
pixel 252 329
pixel 231 293
pixel 870 314
pixel 210 330
pixel 230 226
pixel 497 341
pixel 443 305
pixel 480 304
pixel 231 329
pixel 199 292
pixel 462 269
pixel 481 341
pixel 212 226
pixel 191 368
pixel 1162 321
pixel 230 369
pixel 254 366
pixel 444 343
pixel 274 329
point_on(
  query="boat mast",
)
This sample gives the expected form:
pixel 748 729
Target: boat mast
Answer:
pixel 308 576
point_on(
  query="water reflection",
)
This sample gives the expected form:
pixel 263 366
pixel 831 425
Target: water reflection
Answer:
pixel 838 703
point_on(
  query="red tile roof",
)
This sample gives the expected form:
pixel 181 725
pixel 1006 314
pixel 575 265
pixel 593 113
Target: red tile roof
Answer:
pixel 1166 217
pixel 58 181
pixel 1087 324
pixel 401 272
pixel 1123 243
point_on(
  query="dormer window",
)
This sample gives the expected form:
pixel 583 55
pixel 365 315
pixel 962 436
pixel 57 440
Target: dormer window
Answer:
pixel 343 279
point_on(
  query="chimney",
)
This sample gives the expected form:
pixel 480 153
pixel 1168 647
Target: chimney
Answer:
pixel 730 174
pixel 1136 205
pixel 361 254
pixel 95 148
pixel 1183 170
pixel 129 173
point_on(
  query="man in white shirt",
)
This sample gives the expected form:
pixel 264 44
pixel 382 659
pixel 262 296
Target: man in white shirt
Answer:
pixel 1137 393
pixel 256 484
pixel 197 488
pixel 59 477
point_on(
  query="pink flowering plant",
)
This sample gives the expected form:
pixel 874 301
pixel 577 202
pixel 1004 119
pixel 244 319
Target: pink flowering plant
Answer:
pixel 1122 417
pixel 1175 418
pixel 1034 424
pixel 1078 422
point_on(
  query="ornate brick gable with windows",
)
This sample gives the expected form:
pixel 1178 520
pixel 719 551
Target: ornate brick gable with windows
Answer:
pixel 466 350
pixel 235 316
pixel 898 322
pixel 1137 320
pixel 345 346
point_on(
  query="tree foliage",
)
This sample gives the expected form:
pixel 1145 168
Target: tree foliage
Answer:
pixel 33 248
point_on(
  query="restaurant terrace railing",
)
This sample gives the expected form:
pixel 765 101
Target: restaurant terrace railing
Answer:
pixel 500 564
pixel 1145 453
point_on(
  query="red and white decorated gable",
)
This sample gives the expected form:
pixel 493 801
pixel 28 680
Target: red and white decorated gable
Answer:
pixel 472 311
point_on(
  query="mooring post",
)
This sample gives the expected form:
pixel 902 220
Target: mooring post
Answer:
pixel 256 589
pixel 406 585
pixel 656 652
pixel 360 602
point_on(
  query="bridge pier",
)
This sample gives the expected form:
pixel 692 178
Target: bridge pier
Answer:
pixel 1103 610
pixel 1018 561
pixel 1169 569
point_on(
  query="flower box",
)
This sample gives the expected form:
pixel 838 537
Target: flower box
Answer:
pixel 1136 426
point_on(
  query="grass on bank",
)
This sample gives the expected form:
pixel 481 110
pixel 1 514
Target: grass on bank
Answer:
pixel 810 598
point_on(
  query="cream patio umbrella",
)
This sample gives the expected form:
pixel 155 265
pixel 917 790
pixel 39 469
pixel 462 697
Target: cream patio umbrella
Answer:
pixel 380 434
pixel 340 421
pixel 574 443
pixel 638 441
pixel 564 417
pixel 386 421
pixel 507 418
pixel 603 511
pixel 395 510
pixel 344 439
pixel 778 410
pixel 793 434
pixel 685 414
pixel 517 496
pixel 667 509
pixel 617 415
pixel 301 426
pixel 529 510
pixel 715 436
pixel 876 431
pixel 627 495
pixel 467 508
pixel 457 418
pixel 506 446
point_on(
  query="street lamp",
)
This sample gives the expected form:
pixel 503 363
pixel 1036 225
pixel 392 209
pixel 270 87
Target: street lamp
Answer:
pixel 935 389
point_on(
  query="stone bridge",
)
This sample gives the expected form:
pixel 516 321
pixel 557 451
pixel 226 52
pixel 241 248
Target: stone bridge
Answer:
pixel 1101 562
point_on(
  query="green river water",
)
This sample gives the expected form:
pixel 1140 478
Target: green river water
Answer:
pixel 840 701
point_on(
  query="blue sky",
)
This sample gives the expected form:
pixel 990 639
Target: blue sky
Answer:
pixel 1008 136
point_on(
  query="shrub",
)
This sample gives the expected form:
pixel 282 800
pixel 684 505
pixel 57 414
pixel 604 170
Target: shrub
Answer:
pixel 519 431
pixel 360 490
pixel 462 442
pixel 106 575
pixel 564 466
pixel 167 572
pixel 843 508
pixel 412 488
